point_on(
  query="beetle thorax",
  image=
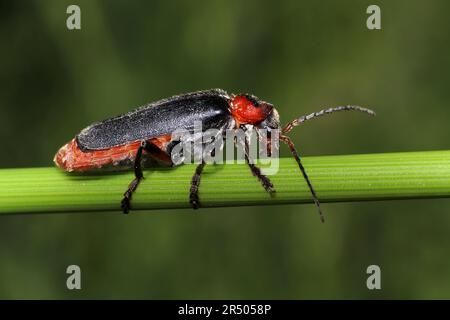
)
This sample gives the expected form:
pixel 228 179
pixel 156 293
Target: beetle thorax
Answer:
pixel 247 109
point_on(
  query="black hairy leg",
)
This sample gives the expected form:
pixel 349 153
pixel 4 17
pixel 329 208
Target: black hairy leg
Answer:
pixel 256 171
pixel 195 183
pixel 150 148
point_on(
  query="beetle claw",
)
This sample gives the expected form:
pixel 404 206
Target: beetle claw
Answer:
pixel 125 205
pixel 194 202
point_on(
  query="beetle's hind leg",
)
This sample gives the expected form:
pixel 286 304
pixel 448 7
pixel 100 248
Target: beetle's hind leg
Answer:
pixel 195 183
pixel 138 175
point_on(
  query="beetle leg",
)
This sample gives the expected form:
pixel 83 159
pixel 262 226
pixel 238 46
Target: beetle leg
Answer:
pixel 294 152
pixel 138 176
pixel 195 183
pixel 256 171
pixel 265 181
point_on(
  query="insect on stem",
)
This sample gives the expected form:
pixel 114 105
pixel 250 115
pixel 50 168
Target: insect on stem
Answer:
pixel 121 140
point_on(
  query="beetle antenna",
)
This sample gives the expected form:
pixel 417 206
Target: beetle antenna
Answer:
pixel 294 152
pixel 290 125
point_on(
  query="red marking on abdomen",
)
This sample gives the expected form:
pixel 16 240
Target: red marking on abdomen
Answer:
pixel 71 158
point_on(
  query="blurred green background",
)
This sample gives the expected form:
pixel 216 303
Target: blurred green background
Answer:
pixel 300 55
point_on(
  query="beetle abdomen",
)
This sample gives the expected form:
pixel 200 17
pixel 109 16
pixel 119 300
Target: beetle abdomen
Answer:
pixel 71 158
pixel 157 119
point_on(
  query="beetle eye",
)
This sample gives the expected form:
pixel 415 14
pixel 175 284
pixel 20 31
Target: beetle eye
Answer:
pixel 254 100
pixel 267 107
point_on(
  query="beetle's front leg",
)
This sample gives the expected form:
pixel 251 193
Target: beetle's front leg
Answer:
pixel 265 181
pixel 256 171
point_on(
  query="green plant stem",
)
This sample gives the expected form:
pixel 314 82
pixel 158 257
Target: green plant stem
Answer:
pixel 335 178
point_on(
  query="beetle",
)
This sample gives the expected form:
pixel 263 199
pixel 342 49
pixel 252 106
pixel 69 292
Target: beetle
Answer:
pixel 145 133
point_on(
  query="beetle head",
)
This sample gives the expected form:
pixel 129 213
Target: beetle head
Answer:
pixel 248 109
pixel 272 121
